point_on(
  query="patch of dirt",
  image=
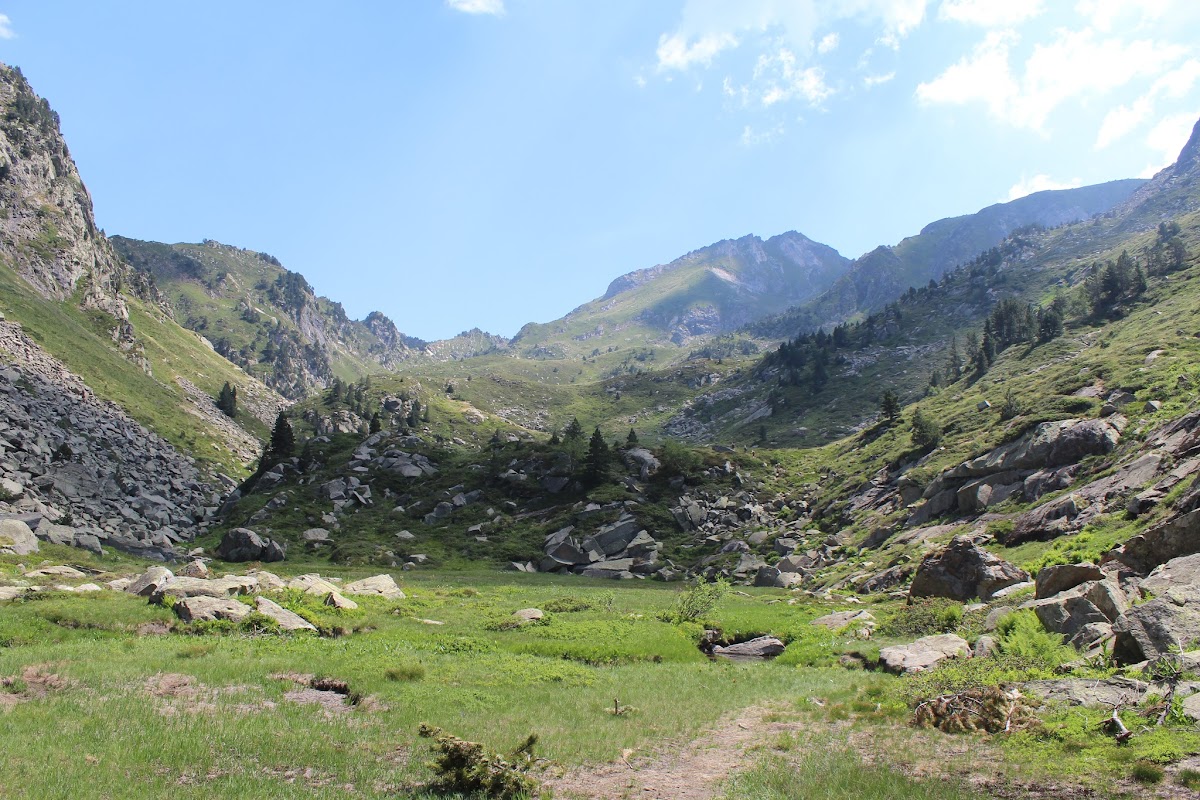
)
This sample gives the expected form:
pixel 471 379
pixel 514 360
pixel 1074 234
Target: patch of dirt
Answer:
pixel 693 771
pixel 183 694
pixel 34 683
pixel 156 628
pixel 331 703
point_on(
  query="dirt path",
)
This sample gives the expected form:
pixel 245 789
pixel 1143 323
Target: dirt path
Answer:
pixel 692 772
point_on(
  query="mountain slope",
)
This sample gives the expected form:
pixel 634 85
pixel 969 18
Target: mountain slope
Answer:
pixel 878 277
pixel 708 291
pixel 266 319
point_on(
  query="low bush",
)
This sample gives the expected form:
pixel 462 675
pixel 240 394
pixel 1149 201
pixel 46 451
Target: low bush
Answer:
pixel 922 618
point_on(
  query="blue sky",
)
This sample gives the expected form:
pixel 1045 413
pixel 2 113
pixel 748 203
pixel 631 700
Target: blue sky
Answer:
pixel 456 163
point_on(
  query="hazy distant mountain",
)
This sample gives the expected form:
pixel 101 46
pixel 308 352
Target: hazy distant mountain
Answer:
pixel 880 276
pixel 708 291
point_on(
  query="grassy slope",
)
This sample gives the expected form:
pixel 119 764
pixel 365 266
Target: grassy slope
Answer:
pixel 80 341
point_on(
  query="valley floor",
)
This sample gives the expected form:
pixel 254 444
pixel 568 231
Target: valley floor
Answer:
pixel 106 695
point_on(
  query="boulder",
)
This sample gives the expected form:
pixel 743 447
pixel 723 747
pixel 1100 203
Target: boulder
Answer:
pixel 150 581
pixel 643 461
pixel 1059 578
pixel 181 587
pixel 209 609
pixel 268 581
pixel 1068 613
pixel 379 585
pixel 243 544
pixel 1172 538
pixel 1154 629
pixel 16 538
pixel 924 653
pixel 1109 692
pixel 69 573
pixel 194 569
pixel 528 615
pixel 336 600
pixel 286 620
pixel 11 592
pixel 963 571
pixel 311 584
pixel 1046 521
pixel 761 648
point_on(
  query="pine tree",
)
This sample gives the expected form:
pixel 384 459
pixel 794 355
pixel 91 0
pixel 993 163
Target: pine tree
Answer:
pixel 554 440
pixel 595 469
pixel 574 431
pixel 376 423
pixel 227 400
pixel 889 404
pixel 414 416
pixel 631 440
pixel 282 445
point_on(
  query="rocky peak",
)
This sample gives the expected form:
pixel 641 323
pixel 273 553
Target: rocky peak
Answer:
pixel 48 232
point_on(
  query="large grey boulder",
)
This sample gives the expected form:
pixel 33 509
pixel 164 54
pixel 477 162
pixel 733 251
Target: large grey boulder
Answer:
pixel 16 538
pixel 181 586
pixel 924 653
pixel 1059 578
pixel 150 581
pixel 243 544
pixel 760 648
pixel 312 584
pixel 846 619
pixel 1175 537
pixel 963 571
pixel 1050 444
pixel 1153 629
pixel 643 461
pixel 1046 521
pixel 1068 614
pixel 209 609
pixel 286 620
pixel 378 585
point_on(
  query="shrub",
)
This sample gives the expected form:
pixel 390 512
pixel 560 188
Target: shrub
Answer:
pixel 1188 778
pixel 466 767
pixel 1022 636
pixel 696 601
pixel 926 433
pixel 924 617
pixel 677 459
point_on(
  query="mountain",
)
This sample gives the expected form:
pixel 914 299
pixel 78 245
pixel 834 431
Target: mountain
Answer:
pixel 709 291
pixel 878 277
pixel 69 297
pixel 265 318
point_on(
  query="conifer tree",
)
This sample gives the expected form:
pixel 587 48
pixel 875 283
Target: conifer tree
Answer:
pixel 227 400
pixel 889 404
pixel 598 457
pixel 632 439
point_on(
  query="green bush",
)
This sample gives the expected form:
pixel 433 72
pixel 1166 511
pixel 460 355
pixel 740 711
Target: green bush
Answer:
pixel 1022 636
pixel 924 617
pixel 1143 772
pixel 696 601
pixel 405 672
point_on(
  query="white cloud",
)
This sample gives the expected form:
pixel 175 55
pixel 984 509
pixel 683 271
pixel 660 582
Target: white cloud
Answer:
pixel 1177 83
pixel 493 7
pixel 1104 15
pixel 752 138
pixel 676 52
pixel 990 13
pixel 828 43
pixel 1040 183
pixel 783 79
pixel 1075 64
pixel 6 31
pixel 1169 136
pixel 1122 120
pixel 639 81
pixel 871 81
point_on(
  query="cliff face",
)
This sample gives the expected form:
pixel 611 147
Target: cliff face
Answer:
pixel 47 230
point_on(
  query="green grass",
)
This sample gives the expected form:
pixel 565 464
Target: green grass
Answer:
pixel 835 773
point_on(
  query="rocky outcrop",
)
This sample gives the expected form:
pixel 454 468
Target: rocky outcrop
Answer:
pixel 243 544
pixel 1170 619
pixel 66 455
pixel 621 549
pixel 963 571
pixel 762 647
pixel 1023 468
